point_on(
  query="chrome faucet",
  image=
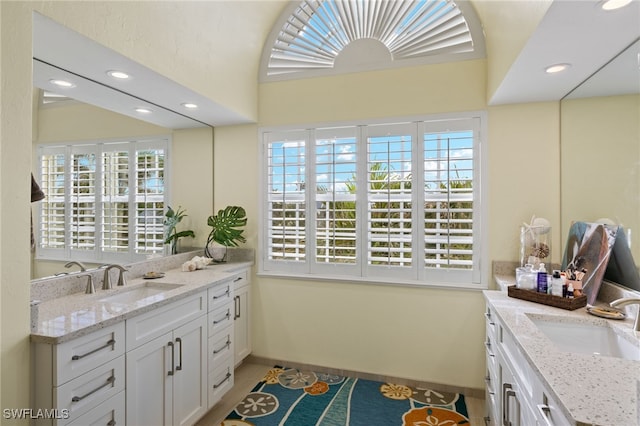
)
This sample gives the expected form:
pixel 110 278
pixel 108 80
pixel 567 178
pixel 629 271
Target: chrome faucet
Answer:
pixel 73 262
pixel 106 284
pixel 629 301
pixel 90 287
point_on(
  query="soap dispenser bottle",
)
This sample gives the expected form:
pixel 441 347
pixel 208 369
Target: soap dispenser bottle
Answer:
pixel 556 284
pixel 542 279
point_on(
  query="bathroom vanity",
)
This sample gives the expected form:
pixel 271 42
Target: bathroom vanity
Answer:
pixel 549 366
pixel 155 351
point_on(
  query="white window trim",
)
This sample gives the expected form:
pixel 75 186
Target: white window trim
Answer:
pixel 97 255
pixel 385 276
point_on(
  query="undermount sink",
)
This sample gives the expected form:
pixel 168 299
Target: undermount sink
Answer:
pixel 587 338
pixel 143 292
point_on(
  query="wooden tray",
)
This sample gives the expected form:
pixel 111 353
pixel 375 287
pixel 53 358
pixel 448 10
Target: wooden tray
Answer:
pixel 547 299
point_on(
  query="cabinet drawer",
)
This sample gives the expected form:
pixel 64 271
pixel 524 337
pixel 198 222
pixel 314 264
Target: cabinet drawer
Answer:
pixel 86 392
pixel 220 318
pixel 241 279
pixel 491 321
pixel 219 295
pixel 548 411
pixel 109 413
pixel 220 347
pixel 76 357
pixel 220 381
pixel 148 326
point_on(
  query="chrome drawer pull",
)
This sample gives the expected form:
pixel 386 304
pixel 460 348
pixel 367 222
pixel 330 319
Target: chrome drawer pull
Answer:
pixel 109 343
pixel 225 294
pixel 225 346
pixel 237 307
pixel 488 345
pixel 237 279
pixel 111 423
pixel 545 410
pixel 179 367
pixel 225 318
pixel 216 386
pixel 173 360
pixel 488 316
pixel 110 381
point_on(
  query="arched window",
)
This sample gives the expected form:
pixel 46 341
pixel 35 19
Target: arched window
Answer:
pixel 324 37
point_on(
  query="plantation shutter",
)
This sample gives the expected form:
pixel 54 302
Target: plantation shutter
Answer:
pixel 149 199
pixel 82 199
pixel 449 195
pixel 334 193
pixel 286 210
pixel 115 198
pixel 389 230
pixel 51 229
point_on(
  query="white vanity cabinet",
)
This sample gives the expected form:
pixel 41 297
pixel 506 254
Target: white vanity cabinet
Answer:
pixel 166 364
pixel 83 380
pixel 514 395
pixel 242 310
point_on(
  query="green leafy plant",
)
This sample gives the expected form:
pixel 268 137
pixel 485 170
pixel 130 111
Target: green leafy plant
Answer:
pixel 226 227
pixel 171 234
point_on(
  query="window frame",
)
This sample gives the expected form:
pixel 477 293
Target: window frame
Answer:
pixel 98 147
pixel 418 275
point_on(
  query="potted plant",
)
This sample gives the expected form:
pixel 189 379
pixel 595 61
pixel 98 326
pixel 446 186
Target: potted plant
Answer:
pixel 226 230
pixel 172 220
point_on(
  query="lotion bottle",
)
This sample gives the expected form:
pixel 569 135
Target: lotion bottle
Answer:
pixel 542 279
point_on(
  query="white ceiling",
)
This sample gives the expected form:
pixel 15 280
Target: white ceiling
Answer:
pixel 577 32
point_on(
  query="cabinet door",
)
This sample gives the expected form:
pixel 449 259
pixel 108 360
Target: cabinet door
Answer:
pixel 241 330
pixel 190 378
pixel 150 370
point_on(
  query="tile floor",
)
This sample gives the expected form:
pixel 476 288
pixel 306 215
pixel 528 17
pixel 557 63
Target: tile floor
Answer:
pixel 248 374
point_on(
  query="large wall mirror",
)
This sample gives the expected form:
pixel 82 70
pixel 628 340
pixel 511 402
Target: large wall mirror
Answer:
pixel 96 110
pixel 600 148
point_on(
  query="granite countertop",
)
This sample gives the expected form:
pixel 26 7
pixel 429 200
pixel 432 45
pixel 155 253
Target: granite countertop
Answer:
pixel 68 317
pixel 594 390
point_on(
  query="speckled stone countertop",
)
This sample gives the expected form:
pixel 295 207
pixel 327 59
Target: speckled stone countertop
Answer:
pixel 594 390
pixel 67 317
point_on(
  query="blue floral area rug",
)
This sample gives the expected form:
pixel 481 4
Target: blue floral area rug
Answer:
pixel 294 397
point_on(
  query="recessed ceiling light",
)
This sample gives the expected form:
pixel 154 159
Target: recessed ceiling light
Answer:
pixel 62 83
pixel 189 105
pixel 120 75
pixel 143 110
pixel 614 4
pixel 552 69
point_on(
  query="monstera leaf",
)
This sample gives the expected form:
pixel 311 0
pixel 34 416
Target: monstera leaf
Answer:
pixel 226 226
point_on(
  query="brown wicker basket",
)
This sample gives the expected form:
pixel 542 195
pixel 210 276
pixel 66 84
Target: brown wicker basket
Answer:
pixel 547 299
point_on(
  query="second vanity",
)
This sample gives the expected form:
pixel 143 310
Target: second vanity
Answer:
pixel 155 351
pixel 536 375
